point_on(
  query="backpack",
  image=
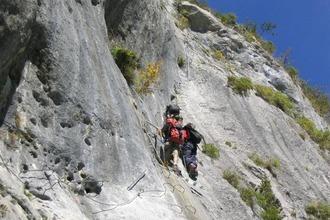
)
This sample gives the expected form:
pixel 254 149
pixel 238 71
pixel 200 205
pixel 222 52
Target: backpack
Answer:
pixel 176 134
pixel 194 136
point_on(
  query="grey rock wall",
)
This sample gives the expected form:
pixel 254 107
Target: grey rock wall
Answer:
pixel 74 135
pixel 79 135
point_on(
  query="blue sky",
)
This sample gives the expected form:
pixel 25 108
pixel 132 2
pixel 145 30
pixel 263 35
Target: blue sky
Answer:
pixel 302 25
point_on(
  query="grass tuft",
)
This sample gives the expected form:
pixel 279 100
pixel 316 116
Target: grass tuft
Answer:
pixel 269 164
pixel 275 98
pixel 263 196
pixel 211 150
pixel 232 178
pixel 319 136
pixel 240 85
pixel 268 46
pixel 320 210
pixel 181 61
pixel 247 195
pixel 229 19
pixel 265 163
pixel 293 72
pixel 267 201
pixel 318 99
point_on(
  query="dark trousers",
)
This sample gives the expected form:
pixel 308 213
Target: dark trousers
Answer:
pixel 189 154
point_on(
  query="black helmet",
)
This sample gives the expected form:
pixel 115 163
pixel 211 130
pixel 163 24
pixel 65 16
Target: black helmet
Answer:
pixel 172 110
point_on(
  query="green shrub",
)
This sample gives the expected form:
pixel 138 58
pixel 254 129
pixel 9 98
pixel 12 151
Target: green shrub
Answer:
pixel 257 160
pixel 232 178
pixel 247 195
pixel 263 196
pixel 320 137
pixel 218 55
pixel 293 72
pixel 283 102
pixel 266 93
pixel 147 77
pixel 249 35
pixel 325 140
pixel 127 61
pixel 308 125
pixel 182 22
pixel 275 98
pixel 275 163
pixel 240 85
pixel 268 46
pixel 319 100
pixel 267 201
pixel 229 19
pixel 181 61
pixel 211 150
pixel 319 210
pixel 271 213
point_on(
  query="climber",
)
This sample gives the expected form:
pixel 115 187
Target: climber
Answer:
pixel 173 135
pixel 189 150
pixel 180 141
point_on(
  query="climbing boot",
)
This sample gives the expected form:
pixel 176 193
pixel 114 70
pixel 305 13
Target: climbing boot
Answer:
pixel 192 170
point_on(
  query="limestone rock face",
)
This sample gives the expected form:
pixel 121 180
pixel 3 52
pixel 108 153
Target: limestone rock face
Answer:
pixel 74 138
pixel 200 20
